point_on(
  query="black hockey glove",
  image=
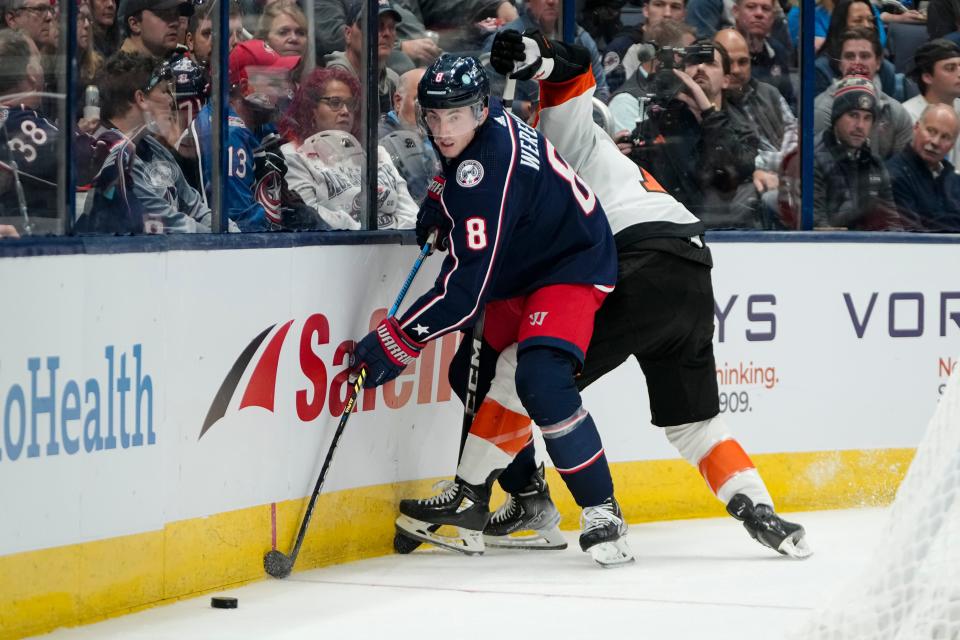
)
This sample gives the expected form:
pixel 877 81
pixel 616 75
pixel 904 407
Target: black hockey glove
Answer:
pixel 431 216
pixel 524 56
pixel 385 352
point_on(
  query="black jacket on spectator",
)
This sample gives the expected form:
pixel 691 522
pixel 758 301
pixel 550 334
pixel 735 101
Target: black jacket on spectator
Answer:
pixel 700 162
pixel 772 65
pixel 926 202
pixel 758 107
pixel 851 188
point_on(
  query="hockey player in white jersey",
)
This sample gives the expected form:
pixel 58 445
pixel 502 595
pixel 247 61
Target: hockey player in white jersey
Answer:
pixel 661 313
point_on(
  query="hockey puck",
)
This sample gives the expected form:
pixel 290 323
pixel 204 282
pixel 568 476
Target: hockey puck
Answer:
pixel 221 602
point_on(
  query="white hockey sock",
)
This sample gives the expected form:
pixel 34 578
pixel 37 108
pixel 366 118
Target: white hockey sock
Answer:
pixel 724 465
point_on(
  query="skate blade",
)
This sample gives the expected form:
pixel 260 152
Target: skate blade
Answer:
pixel 469 542
pixel 611 555
pixel 796 548
pixel 549 540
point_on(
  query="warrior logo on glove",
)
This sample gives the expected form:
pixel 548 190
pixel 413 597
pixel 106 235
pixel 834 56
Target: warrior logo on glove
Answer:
pixel 385 352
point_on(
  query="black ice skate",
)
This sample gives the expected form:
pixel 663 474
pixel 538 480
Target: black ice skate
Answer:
pixel 459 504
pixel 769 529
pixel 529 510
pixel 604 531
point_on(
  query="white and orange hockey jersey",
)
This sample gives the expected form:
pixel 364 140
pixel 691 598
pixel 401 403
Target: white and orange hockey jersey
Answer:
pixel 637 206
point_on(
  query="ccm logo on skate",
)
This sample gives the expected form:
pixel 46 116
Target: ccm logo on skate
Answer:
pixel 109 410
pixel 264 388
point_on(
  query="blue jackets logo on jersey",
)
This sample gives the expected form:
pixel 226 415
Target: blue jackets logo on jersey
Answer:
pixel 469 173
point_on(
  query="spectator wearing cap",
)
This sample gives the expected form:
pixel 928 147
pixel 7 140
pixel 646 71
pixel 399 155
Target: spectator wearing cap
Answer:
pixel 926 186
pixel 860 55
pixel 152 26
pixel 936 68
pixel 544 15
pixel 851 186
pixel 353 36
pixel 37 19
pixel 259 79
pixel 140 188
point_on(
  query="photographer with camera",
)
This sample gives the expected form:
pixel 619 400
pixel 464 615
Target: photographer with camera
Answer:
pixel 625 104
pixel 685 138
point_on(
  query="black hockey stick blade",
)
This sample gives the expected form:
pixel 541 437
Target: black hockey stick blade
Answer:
pixel 404 544
pixel 277 564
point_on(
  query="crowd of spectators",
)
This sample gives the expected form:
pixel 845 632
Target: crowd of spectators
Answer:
pixel 702 94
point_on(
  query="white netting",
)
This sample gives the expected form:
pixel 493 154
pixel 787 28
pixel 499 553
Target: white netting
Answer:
pixel 910 589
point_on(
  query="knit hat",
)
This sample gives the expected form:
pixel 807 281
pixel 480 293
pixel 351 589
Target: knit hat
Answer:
pixel 930 53
pixel 853 92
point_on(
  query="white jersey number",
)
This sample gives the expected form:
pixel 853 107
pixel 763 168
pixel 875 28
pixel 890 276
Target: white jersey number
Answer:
pixel 476 233
pixel 581 192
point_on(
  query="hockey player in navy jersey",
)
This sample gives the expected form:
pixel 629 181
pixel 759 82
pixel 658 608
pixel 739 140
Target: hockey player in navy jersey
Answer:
pixel 661 313
pixel 528 242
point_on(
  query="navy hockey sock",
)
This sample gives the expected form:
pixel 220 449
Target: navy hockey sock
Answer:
pixel 575 448
pixel 546 386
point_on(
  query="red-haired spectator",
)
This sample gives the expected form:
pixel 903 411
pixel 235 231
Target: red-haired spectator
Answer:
pixel 325 160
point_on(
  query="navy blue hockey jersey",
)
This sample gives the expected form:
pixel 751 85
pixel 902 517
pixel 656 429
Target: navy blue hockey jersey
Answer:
pixel 33 141
pixel 521 220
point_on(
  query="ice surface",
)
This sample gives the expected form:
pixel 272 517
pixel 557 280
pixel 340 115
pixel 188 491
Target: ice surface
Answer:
pixel 692 579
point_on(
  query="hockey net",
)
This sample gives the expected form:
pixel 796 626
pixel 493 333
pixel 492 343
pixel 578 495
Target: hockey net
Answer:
pixel 910 589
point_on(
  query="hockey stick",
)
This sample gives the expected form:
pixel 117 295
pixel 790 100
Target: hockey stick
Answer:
pixel 509 89
pixel 404 544
pixel 276 563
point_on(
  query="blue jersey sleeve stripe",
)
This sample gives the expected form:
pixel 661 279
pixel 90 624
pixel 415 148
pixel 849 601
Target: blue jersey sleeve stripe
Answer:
pixel 493 255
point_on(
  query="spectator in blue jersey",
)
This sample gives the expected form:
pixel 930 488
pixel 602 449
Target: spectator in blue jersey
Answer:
pixel 29 138
pixel 544 16
pixel 260 80
pixel 140 188
pixel 926 186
